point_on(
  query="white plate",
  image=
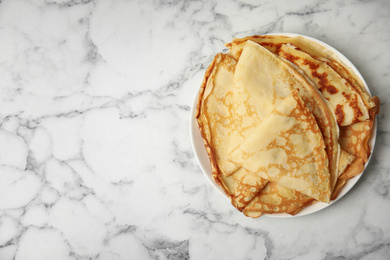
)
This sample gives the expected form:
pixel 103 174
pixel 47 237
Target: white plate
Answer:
pixel 204 163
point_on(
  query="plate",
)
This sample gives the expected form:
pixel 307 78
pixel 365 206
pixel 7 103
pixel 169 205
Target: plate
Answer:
pixel 203 159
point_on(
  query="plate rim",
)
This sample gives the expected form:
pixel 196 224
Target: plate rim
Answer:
pixel 316 207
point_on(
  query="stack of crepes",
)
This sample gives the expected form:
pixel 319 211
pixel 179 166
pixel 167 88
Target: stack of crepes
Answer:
pixel 285 123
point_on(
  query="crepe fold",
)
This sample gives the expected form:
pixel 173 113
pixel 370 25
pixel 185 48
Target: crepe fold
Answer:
pixel 354 140
pixel 215 113
pixel 346 102
pixel 287 148
pixel 214 116
pixel 215 109
pixel 275 198
pixel 261 81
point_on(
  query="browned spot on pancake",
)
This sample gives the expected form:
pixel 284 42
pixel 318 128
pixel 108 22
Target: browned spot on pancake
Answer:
pixel 322 77
pixel 332 90
pixel 347 96
pixel 354 104
pixel 339 114
pixel 311 64
pixel 356 108
pixel 289 56
pixel 275 47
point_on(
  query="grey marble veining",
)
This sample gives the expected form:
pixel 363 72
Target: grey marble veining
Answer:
pixel 95 155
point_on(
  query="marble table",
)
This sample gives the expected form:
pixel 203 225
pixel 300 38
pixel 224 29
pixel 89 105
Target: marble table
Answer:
pixel 95 153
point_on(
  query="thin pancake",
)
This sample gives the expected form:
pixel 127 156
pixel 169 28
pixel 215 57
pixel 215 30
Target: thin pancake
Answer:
pixel 254 85
pixel 213 114
pixel 354 138
pixel 291 154
pixel 345 100
pixel 275 198
pixel 242 186
pixel 214 106
pixel 263 78
pixel 355 168
pixel 352 79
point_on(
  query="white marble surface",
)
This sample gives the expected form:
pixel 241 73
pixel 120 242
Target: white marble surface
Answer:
pixel 95 154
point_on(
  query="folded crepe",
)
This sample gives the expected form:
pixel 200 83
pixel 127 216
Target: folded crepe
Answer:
pixel 214 115
pixel 352 79
pixel 287 147
pixel 345 99
pixel 255 92
pixel 242 186
pixel 275 198
pixel 215 119
pixel 355 168
pixel 261 81
pixel 354 138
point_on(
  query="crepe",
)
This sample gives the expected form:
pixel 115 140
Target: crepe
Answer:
pixel 254 85
pixel 346 101
pixel 275 198
pixel 288 148
pixel 355 168
pixel 242 186
pixel 352 79
pixel 354 138
pixel 262 78
pixel 214 119
pixel 214 109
